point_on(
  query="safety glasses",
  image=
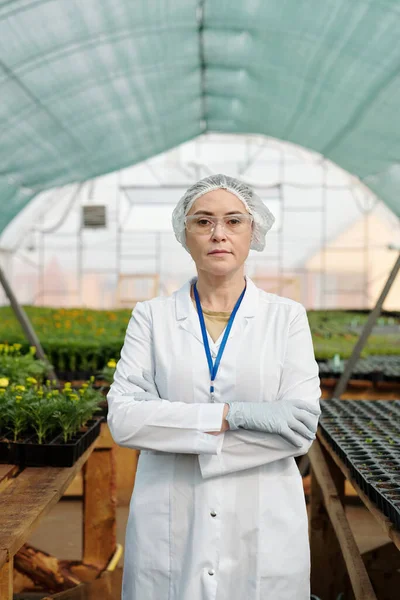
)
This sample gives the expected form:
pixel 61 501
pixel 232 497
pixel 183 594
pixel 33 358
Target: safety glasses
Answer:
pixel 205 225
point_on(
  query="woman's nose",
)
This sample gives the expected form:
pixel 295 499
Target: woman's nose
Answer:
pixel 219 232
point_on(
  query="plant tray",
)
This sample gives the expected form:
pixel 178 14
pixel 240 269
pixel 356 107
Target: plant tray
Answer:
pixel 365 434
pixel 372 368
pixel 74 375
pixel 53 454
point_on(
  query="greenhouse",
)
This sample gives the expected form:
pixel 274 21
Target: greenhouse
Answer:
pixel 199 300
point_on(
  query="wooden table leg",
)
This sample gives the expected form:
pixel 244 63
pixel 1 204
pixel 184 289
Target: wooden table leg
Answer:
pixel 333 547
pixel 99 508
pixel 328 569
pixel 6 580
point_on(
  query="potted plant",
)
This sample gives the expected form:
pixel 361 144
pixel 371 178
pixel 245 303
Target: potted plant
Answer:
pixel 41 425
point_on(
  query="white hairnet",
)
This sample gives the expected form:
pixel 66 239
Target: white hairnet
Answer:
pixel 263 218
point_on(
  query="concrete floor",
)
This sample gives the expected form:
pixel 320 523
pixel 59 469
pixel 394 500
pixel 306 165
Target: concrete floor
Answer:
pixel 60 532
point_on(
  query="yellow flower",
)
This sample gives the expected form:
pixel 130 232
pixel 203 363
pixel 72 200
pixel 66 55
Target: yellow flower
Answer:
pixel 32 350
pixel 91 378
pixel 2 391
pixel 17 346
pixel 40 393
pixel 4 382
pixel 82 392
pixel 31 380
pixel 18 399
pixel 74 397
pixel 20 388
pixel 67 385
pixel 112 364
pixel 84 386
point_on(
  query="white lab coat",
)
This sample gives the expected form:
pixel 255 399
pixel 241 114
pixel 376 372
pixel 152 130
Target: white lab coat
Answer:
pixel 214 517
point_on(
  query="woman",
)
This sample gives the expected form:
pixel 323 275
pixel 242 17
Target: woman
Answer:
pixel 217 385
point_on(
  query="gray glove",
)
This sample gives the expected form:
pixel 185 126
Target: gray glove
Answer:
pixel 290 419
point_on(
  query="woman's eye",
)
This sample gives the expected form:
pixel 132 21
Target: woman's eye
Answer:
pixel 234 221
pixel 203 222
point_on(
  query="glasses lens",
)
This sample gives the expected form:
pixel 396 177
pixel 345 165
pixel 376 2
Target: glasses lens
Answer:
pixel 199 224
pixel 205 225
pixel 236 223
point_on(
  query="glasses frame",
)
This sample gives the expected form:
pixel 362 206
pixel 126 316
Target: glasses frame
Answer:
pixel 217 220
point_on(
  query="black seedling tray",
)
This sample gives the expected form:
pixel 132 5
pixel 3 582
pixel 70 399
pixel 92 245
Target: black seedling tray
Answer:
pixel 8 453
pixel 55 453
pixel 365 434
pixel 372 368
pixel 382 410
pixel 74 375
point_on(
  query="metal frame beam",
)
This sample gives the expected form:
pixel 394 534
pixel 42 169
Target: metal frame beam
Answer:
pixel 25 323
pixel 374 314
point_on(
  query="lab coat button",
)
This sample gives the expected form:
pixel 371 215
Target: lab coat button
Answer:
pixel 211 572
pixel 213 513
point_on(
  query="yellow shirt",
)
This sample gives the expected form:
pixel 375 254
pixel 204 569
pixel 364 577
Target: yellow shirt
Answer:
pixel 215 321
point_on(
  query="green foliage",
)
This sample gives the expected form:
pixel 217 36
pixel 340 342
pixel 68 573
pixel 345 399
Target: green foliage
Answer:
pixel 16 366
pixel 336 332
pixel 68 324
pixel 45 410
pixel 73 339
pixel 83 340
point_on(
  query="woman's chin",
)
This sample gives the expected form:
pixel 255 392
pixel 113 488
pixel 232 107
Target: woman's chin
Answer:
pixel 219 269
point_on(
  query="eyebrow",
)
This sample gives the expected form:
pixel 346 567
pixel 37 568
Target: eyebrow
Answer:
pixel 211 214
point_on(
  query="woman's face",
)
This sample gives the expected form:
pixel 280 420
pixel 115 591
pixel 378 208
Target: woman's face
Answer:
pixel 219 203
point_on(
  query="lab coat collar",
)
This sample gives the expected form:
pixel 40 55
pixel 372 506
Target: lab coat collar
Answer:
pixel 188 318
pixel 185 308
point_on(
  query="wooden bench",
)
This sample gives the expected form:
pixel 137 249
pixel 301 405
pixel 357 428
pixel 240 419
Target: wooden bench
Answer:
pixel 336 563
pixel 27 495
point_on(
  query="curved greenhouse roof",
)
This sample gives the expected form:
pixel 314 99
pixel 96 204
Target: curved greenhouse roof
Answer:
pixel 91 87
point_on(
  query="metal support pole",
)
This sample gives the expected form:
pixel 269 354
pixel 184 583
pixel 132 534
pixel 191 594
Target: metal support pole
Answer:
pixel 324 236
pixel 343 381
pixel 25 323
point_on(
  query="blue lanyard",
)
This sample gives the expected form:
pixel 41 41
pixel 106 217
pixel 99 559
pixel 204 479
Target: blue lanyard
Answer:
pixel 213 368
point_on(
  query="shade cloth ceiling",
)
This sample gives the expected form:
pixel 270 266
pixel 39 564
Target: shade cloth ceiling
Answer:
pixel 90 87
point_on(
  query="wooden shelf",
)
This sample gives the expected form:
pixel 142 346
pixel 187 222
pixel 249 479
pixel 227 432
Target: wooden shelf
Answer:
pixel 27 495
